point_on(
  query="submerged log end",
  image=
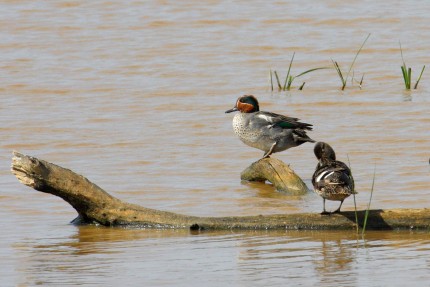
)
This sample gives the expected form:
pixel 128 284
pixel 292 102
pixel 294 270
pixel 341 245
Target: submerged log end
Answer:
pixel 24 167
pixel 278 173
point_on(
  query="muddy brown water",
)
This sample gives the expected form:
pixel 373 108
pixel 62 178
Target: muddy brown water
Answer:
pixel 132 95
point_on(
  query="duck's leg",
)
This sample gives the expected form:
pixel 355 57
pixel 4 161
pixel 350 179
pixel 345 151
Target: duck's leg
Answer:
pixel 267 154
pixel 324 211
pixel 338 210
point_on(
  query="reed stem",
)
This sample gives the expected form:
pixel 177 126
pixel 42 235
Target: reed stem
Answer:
pixel 366 215
pixel 271 79
pixel 355 203
pixel 343 78
pixel 419 78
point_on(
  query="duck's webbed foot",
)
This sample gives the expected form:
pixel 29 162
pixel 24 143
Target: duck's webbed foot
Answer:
pixel 338 210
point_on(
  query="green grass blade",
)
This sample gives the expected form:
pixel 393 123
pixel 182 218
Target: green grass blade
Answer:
pixel 291 78
pixel 356 55
pixel 271 79
pixel 409 78
pixel 361 81
pixel 311 70
pixel 401 54
pixel 405 75
pixel 277 79
pixel 419 78
pixel 301 87
pixel 339 72
pixel 289 70
pixel 366 215
pixel 290 81
pixel 405 71
pixel 357 226
pixel 355 203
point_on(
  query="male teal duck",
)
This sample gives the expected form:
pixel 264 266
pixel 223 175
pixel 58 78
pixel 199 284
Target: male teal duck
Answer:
pixel 267 131
pixel 332 179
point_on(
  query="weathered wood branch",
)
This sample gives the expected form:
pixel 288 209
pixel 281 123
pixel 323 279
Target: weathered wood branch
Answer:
pixel 94 205
pixel 282 177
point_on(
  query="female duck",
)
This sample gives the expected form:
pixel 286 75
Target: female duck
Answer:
pixel 267 131
pixel 332 179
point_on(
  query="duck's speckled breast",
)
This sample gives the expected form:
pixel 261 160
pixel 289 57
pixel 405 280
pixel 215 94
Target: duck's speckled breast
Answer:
pixel 247 133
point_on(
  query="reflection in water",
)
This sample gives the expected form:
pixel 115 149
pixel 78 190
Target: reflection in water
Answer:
pixel 334 257
pixel 89 256
pixel 328 255
pixel 407 96
pixel 113 255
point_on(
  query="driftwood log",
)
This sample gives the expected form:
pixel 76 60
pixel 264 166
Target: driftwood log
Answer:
pixel 94 205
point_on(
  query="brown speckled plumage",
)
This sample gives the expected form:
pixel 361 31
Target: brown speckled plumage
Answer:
pixel 332 179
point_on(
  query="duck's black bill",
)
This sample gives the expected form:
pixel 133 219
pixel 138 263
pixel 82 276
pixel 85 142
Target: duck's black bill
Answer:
pixel 231 110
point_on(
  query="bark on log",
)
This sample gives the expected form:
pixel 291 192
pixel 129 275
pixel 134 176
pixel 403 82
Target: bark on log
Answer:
pixel 94 205
pixel 278 173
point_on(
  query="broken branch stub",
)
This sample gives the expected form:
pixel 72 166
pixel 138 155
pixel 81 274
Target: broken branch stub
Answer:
pixel 283 178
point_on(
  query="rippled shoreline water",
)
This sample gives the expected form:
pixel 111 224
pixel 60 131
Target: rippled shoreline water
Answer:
pixel 109 256
pixel 132 96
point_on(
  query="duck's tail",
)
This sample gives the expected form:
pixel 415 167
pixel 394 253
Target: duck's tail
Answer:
pixel 300 136
pixel 305 126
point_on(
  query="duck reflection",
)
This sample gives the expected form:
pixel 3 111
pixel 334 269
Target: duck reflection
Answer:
pixel 296 251
pixel 336 255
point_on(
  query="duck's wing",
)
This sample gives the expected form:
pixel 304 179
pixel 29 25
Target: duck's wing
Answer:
pixel 332 174
pixel 283 121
